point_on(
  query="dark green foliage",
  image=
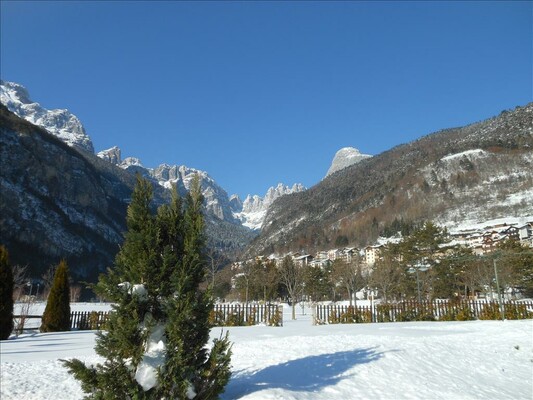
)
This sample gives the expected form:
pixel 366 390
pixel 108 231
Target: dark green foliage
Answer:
pixel 399 225
pixel 349 315
pixel 56 317
pixel 451 278
pixel 221 289
pixel 455 310
pixel 517 259
pixel 6 295
pixel 155 286
pixel 258 280
pixel 341 241
pixel 318 285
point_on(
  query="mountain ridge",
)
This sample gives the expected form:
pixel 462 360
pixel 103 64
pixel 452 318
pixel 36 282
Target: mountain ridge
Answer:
pixel 360 200
pixel 59 122
pixel 437 177
pixel 68 128
pixel 61 202
pixel 250 212
pixel 344 158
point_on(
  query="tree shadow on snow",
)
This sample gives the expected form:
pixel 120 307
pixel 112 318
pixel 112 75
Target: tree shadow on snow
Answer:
pixel 308 374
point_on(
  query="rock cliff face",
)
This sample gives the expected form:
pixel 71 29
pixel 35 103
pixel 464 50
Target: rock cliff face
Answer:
pixel 61 202
pixel 216 198
pixel 344 158
pixel 58 202
pixel 67 127
pixel 254 208
pixel 60 123
pixel 112 155
pixel 248 213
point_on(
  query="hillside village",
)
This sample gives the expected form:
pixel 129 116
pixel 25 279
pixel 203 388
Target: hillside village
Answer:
pixel 481 241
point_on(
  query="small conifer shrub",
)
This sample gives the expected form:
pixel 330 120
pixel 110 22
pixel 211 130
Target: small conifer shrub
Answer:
pixel 56 317
pixel 155 343
pixel 6 295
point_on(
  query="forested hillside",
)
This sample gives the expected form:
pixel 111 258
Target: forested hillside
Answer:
pixel 480 171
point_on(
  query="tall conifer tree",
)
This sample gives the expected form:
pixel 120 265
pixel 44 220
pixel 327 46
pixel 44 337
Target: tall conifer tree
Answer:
pixel 6 295
pixel 56 316
pixel 156 335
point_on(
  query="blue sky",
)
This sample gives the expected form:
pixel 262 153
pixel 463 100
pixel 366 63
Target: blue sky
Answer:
pixel 257 93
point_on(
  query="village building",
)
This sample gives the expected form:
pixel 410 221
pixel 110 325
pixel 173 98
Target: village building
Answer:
pixel 372 254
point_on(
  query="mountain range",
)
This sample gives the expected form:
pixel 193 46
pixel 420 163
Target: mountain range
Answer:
pixel 50 205
pixel 250 212
pixel 59 199
pixel 474 173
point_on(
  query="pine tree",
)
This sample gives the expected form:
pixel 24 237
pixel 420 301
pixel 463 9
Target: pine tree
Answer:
pixel 6 295
pixel 157 333
pixel 56 316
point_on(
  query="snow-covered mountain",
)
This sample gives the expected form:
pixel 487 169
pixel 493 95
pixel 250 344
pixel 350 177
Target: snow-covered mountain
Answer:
pixel 58 122
pixel 344 158
pixel 250 212
pixel 254 208
pixel 68 128
pixel 475 173
pixel 217 200
pixel 112 155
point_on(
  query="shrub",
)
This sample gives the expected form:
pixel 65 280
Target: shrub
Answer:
pixel 56 317
pixel 351 315
pixel 490 311
pixel 275 318
pixel 235 318
pixel 384 312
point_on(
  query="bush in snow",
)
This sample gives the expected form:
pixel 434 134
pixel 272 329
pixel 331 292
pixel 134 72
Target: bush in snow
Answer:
pixel 6 295
pixel 56 316
pixel 155 344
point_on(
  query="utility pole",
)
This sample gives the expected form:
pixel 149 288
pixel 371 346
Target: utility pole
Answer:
pixel 419 266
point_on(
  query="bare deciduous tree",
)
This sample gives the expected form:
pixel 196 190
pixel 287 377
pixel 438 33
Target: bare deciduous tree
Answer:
pixel 48 279
pixel 24 310
pixel 215 263
pixel 292 276
pixel 75 293
pixel 386 275
pixel 20 279
pixel 349 275
pixel 245 277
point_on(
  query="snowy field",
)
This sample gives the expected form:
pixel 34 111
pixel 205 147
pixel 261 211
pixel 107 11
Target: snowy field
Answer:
pixel 409 360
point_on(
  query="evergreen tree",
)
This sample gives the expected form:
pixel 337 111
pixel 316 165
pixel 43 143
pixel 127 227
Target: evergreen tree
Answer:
pixel 515 266
pixel 56 317
pixel 452 275
pixel 157 333
pixel 317 283
pixel 6 295
pixel 420 248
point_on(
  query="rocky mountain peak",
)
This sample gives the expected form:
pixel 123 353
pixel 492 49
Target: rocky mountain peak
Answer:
pixel 235 203
pixel 59 122
pixel 14 93
pixel 254 208
pixel 344 158
pixel 112 155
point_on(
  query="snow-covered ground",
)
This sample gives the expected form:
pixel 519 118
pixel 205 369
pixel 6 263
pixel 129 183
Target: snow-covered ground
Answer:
pixel 409 360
